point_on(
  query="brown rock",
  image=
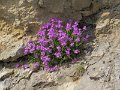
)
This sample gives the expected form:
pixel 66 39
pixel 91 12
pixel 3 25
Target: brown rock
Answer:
pixel 81 4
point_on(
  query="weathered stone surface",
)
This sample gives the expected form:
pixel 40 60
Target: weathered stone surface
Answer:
pixel 103 65
pixel 100 50
pixel 21 18
pixel 6 84
pixel 103 22
pixel 81 4
pixel 13 19
pixel 55 6
pixel 5 73
pixel 27 80
pixel 110 3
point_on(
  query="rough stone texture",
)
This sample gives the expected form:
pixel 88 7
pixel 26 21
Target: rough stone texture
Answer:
pixel 55 6
pixel 11 46
pixel 102 65
pixel 27 80
pixel 110 3
pixel 21 18
pixel 5 73
pixel 81 4
pixel 13 19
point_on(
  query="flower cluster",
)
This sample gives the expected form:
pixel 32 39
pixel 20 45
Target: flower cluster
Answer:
pixel 58 42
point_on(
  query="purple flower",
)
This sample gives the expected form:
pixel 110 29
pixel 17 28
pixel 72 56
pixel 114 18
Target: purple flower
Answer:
pixel 68 51
pixel 17 65
pixel 76 31
pixel 70 39
pixel 26 51
pixel 44 43
pixel 25 66
pixel 42 53
pixel 40 40
pixel 41 33
pixel 75 25
pixel 69 25
pixel 76 51
pixel 45 58
pixel 72 44
pixel 45 26
pixel 85 28
pixel 51 69
pixel 51 46
pixel 79 33
pixel 37 64
pixel 61 33
pixel 30 48
pixel 63 38
pixel 45 49
pixel 52 33
pixel 77 39
pixel 38 47
pixel 35 55
pixel 57 54
pixel 63 43
pixel 59 24
pixel 53 19
pixel 85 39
pixel 58 48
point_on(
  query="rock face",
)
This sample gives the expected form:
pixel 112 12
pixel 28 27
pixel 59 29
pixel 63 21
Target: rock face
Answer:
pixel 21 18
pixel 81 4
pixel 102 65
pixel 21 79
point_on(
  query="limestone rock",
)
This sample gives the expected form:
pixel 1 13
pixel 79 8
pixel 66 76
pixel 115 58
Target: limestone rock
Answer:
pixel 81 4
pixel 100 50
pixel 23 17
pixel 5 73
pixel 6 84
pixel 55 6
pixel 103 65
pixel 94 7
pixel 23 74
pixel 110 3
pixel 103 22
pixel 11 48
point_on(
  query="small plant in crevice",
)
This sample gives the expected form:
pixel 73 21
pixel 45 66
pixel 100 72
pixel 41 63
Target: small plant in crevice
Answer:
pixel 57 43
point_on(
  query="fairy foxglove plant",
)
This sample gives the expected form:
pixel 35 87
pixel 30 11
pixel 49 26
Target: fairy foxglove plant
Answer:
pixel 57 42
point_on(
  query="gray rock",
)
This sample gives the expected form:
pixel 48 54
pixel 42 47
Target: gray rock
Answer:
pixel 17 15
pixel 81 4
pixel 55 6
pixel 41 3
pixel 5 73
pixel 100 50
pixel 6 84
